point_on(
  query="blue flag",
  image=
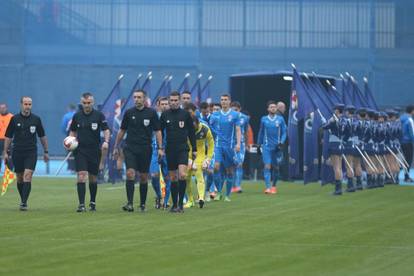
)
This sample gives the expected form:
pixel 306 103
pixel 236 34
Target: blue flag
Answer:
pixel 369 96
pixel 331 99
pixel 312 130
pixel 324 112
pixel 146 86
pixel 293 137
pixel 360 100
pixel 305 105
pixel 111 108
pixel 347 92
pixel 109 105
pixel 129 101
pixel 168 88
pixel 196 90
pixel 184 86
pixel 336 96
pixel 205 91
pixel 161 91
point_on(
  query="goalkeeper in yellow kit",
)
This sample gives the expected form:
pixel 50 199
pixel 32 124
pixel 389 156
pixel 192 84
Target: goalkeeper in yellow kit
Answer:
pixel 205 150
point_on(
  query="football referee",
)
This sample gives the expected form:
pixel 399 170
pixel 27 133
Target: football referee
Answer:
pixel 87 125
pixel 179 128
pixel 22 130
pixel 138 123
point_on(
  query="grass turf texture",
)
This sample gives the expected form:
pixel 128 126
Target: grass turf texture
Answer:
pixel 301 231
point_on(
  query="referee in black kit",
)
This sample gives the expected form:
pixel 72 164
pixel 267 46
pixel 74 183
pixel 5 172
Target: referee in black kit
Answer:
pixel 87 125
pixel 139 123
pixel 179 128
pixel 22 130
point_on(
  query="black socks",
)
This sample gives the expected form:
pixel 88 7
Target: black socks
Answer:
pixel 93 189
pixel 174 193
pixel 182 185
pixel 143 189
pixel 130 189
pixel 20 189
pixel 26 187
pixel 81 187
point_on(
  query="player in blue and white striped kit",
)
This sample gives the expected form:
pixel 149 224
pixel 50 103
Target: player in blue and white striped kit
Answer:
pixel 244 125
pixel 226 125
pixel 272 135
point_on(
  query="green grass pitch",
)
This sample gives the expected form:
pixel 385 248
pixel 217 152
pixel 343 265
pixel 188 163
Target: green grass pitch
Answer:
pixel 301 231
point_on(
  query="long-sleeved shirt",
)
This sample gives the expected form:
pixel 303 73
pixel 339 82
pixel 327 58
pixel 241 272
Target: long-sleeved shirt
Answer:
pixel 272 131
pixel 205 143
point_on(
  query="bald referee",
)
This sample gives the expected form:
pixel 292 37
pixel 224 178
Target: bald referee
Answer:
pixel 87 125
pixel 22 131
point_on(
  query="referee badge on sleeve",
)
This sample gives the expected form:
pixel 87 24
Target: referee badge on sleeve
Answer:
pixel 181 124
pixel 32 129
pixel 146 122
pixel 94 126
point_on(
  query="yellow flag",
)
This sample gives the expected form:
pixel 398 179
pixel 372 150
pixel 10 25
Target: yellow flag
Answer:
pixel 8 178
pixel 162 184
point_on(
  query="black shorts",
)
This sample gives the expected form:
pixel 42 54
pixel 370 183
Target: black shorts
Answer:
pixel 23 160
pixel 1 146
pixel 87 160
pixel 138 159
pixel 176 157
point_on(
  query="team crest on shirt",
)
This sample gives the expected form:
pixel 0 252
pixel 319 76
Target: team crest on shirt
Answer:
pixel 230 117
pixel 94 126
pixel 277 124
pixel 146 122
pixel 181 124
pixel 32 129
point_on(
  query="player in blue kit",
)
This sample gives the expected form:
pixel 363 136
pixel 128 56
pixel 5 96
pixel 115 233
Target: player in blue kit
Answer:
pixel 158 166
pixel 244 125
pixel 226 125
pixel 272 135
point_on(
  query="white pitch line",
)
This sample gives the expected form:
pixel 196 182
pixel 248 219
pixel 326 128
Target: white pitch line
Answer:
pixel 355 246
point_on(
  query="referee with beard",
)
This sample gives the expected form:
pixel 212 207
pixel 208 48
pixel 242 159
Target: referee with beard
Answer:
pixel 87 125
pixel 179 128
pixel 22 131
pixel 139 123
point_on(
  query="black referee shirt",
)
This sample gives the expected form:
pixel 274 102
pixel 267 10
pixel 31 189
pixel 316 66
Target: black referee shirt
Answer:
pixel 140 125
pixel 22 129
pixel 88 128
pixel 179 127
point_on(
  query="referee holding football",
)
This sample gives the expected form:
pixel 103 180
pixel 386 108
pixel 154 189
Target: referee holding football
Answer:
pixel 179 128
pixel 22 130
pixel 87 125
pixel 138 123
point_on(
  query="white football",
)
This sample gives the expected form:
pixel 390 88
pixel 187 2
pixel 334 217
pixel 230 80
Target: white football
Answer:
pixel 70 143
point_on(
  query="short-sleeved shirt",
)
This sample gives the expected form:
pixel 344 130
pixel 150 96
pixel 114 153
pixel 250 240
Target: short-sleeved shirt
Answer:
pixel 88 128
pixel 179 127
pixel 4 123
pixel 23 129
pixel 140 125
pixel 224 125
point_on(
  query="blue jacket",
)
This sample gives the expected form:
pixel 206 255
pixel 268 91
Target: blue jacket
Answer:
pixel 407 126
